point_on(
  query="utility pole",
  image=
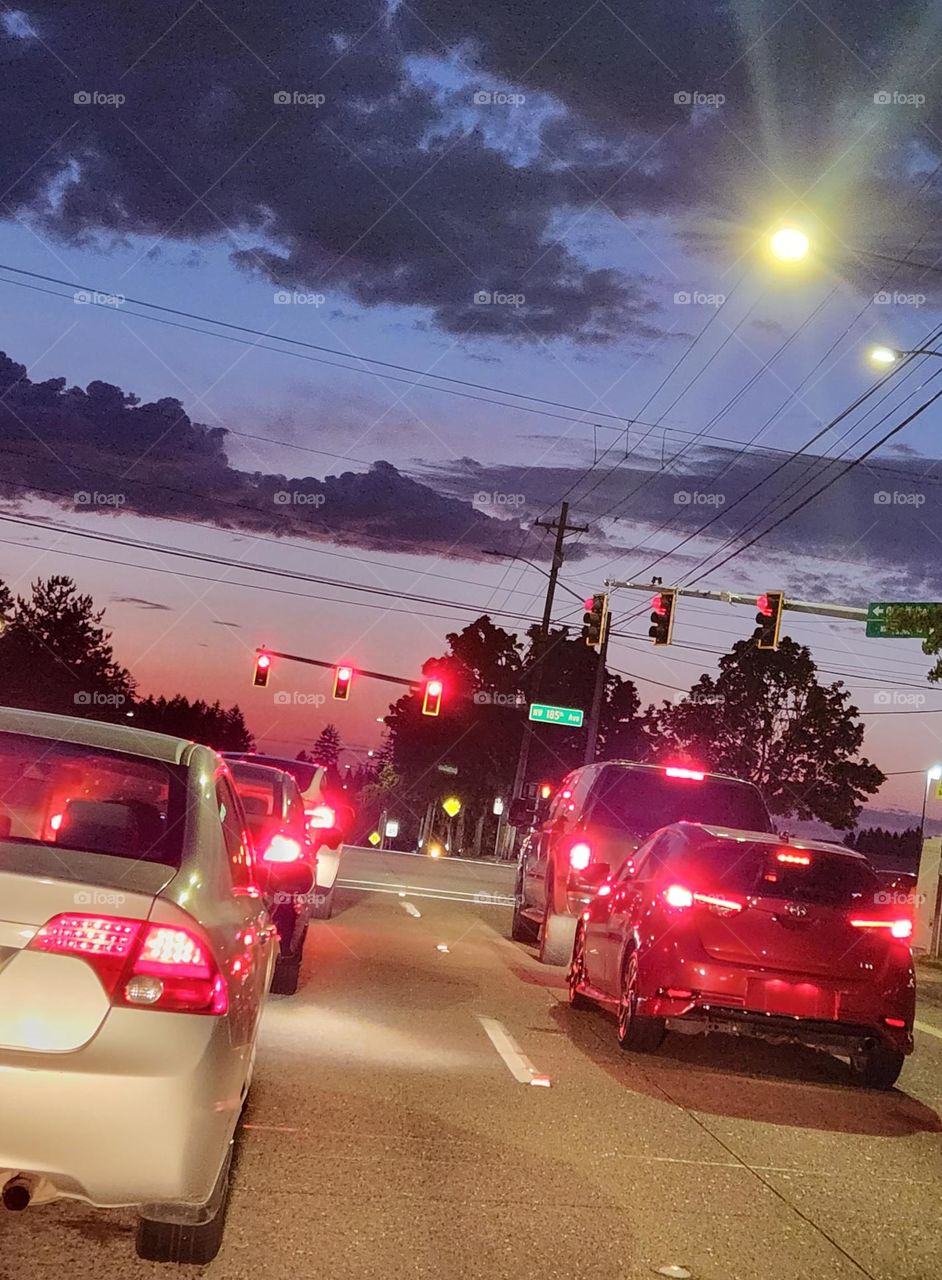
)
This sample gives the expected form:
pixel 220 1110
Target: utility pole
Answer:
pixel 562 527
pixel 595 714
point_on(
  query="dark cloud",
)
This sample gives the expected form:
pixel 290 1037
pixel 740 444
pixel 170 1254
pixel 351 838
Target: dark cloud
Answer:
pixel 100 451
pixel 141 603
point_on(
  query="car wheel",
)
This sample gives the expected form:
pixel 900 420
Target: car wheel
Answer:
pixel 284 979
pixel 522 929
pixel 636 1034
pixel 556 938
pixel 877 1067
pixel 323 904
pixel 575 979
pixel 194 1243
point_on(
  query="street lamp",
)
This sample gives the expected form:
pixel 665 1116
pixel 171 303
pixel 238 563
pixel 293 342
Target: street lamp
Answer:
pixel 933 774
pixel 886 356
pixel 789 244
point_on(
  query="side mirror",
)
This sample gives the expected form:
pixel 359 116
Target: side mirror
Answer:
pixel 521 813
pixel 596 872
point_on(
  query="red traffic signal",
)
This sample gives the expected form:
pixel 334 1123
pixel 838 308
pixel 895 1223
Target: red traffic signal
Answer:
pixel 595 619
pixel 432 698
pixel 662 617
pixel 343 678
pixel 262 670
pixel 769 619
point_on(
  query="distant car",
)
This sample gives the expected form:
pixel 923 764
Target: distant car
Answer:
pixel 275 816
pixel 135 954
pixel 329 817
pixel 599 814
pixel 705 928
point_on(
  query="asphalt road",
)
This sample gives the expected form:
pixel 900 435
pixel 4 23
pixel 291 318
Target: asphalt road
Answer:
pixel 393 1130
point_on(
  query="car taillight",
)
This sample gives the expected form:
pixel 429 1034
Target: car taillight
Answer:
pixel 901 929
pixel 282 849
pixel 694 775
pixel 141 965
pixel 679 897
pixel 580 855
pixel 321 815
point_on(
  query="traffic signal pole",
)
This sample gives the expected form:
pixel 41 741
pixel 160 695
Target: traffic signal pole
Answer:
pixel 852 612
pixel 595 713
pixel 562 527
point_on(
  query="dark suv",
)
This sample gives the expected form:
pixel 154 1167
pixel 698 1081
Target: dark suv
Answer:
pixel 599 815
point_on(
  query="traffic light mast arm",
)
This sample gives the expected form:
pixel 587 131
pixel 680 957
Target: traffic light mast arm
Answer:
pixel 852 612
pixel 416 685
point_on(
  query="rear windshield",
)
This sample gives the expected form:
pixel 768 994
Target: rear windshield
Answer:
pixel 302 772
pixel 639 801
pixel 257 796
pixel 77 797
pixel 827 879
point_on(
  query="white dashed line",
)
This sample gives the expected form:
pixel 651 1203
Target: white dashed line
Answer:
pixel 516 1062
pixel 413 911
pixel 930 1031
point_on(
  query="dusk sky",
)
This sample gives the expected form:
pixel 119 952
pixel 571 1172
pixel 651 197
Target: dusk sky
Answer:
pixel 567 206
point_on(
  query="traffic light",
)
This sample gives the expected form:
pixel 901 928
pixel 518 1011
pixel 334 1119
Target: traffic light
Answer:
pixel 769 618
pixel 432 698
pixel 595 619
pixel 662 616
pixel 343 678
pixel 262 670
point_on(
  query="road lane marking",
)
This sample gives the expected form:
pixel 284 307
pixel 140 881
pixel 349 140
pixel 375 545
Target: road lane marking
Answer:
pixel 515 1060
pixel 930 1031
pixel 413 911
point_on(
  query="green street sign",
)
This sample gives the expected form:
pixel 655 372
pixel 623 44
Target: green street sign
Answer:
pixel 571 717
pixel 884 620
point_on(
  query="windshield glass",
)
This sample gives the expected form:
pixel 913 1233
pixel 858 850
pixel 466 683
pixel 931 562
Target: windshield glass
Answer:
pixel 639 801
pixel 77 797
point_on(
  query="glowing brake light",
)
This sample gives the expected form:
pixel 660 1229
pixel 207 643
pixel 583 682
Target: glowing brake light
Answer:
pixel 695 775
pixel 282 849
pixel 901 929
pixel 141 965
pixel 580 855
pixel 675 895
pixel 798 859
pixel 321 816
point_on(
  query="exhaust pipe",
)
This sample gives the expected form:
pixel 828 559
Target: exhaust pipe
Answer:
pixel 17 1193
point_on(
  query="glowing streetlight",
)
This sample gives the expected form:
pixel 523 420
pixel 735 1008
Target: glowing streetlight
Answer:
pixel 883 356
pixel 789 244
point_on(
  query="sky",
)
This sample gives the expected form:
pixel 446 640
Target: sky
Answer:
pixel 390 280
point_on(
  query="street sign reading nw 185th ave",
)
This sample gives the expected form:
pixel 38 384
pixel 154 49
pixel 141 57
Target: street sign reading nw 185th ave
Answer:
pixel 885 623
pixel 571 717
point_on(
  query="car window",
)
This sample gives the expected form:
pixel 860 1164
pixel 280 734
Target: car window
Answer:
pixel 563 799
pixel 82 798
pixel 235 837
pixel 815 876
pixel 638 801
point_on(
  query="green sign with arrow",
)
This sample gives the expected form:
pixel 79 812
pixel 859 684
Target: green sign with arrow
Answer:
pixel 901 619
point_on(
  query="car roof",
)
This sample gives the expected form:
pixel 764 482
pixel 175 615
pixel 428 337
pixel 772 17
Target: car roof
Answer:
pixel 660 768
pixel 766 837
pixel 95 733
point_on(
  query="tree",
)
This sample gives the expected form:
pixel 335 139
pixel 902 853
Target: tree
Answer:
pixel 216 726
pixel 56 656
pixel 326 748
pixel 766 717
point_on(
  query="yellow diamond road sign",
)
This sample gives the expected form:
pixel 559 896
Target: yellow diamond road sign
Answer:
pixel 374 837
pixel 452 806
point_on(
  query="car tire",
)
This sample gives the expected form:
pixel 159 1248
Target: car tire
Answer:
pixel 636 1034
pixel 323 907
pixel 877 1067
pixel 556 938
pixel 575 978
pixel 284 979
pixel 522 929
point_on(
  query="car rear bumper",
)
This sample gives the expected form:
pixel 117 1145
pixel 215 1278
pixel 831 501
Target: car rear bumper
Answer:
pixel 782 1005
pixel 142 1114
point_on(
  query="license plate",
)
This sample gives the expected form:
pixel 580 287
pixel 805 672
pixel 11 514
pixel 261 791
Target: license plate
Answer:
pixel 792 999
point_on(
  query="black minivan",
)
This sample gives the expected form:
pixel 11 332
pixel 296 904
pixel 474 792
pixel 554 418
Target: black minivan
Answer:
pixel 599 815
